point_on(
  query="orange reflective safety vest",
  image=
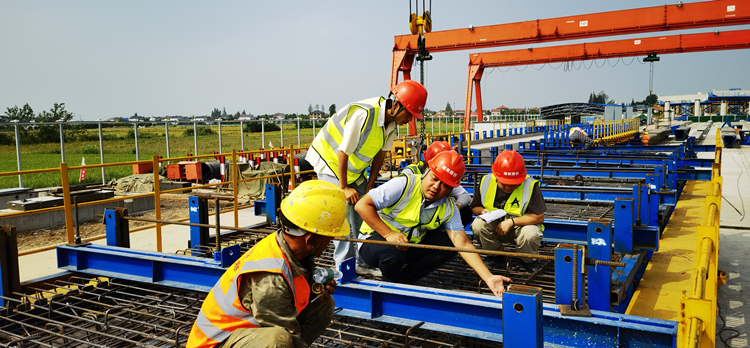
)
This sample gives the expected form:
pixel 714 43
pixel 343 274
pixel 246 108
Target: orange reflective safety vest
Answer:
pixel 222 311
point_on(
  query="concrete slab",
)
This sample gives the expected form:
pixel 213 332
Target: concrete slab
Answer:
pixel 174 238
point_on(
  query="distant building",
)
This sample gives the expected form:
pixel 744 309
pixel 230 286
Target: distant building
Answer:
pixel 135 118
pixel 154 119
pixel 246 118
pixel 279 116
pixel 174 119
pixel 114 119
pixel 317 114
pixel 498 111
pixel 200 119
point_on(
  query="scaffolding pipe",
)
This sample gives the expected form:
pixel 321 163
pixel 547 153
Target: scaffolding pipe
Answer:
pixel 18 157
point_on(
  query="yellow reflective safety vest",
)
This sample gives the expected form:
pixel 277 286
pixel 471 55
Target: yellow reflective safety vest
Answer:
pixel 415 169
pixel 517 202
pixel 371 139
pixel 406 214
pixel 222 311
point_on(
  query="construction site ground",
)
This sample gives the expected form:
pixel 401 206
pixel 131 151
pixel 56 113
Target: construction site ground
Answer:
pixel 734 297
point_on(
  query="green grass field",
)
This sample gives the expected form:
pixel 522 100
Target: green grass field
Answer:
pixel 151 141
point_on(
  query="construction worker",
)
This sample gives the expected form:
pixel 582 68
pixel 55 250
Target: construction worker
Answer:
pixel 577 136
pixel 415 209
pixel 263 299
pixel 461 197
pixel 509 188
pixel 356 138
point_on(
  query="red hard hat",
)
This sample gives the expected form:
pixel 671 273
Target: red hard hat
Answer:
pixel 449 167
pixel 509 168
pixel 412 95
pixel 435 148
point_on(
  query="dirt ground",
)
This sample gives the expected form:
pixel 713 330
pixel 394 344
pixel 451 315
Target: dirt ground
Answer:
pixel 173 207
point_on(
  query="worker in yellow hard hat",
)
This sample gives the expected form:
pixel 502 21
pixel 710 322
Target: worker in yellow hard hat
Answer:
pixel 264 298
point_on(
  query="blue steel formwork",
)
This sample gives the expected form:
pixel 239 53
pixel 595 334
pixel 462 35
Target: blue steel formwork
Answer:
pixel 456 312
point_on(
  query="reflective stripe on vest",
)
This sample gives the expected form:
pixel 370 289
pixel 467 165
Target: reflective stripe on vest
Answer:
pixel 371 139
pixel 488 189
pixel 222 311
pixel 404 216
pixel 415 169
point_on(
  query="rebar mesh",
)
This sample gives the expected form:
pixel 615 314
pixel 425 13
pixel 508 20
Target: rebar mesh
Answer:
pixel 99 312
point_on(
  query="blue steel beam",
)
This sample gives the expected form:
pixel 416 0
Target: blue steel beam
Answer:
pixel 180 271
pixel 462 313
pixel 481 316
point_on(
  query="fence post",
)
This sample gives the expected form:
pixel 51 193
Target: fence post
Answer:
pixel 235 187
pixel 137 150
pixel 299 143
pixel 157 201
pixel 62 143
pixel 262 133
pixel 66 202
pixel 220 136
pixel 281 131
pixel 195 138
pixel 166 134
pixel 242 136
pixel 18 157
pixel 101 154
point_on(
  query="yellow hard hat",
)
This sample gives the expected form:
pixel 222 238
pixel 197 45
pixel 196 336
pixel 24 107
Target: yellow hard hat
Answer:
pixel 318 207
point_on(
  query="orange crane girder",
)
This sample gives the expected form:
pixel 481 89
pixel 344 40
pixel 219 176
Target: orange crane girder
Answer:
pixel 702 42
pixel 632 21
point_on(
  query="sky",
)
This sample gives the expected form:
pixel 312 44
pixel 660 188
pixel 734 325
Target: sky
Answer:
pixel 115 58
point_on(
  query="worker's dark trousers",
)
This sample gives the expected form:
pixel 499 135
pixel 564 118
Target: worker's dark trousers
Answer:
pixel 410 265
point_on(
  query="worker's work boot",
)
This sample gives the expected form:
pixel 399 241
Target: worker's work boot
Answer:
pixel 498 262
pixel 365 270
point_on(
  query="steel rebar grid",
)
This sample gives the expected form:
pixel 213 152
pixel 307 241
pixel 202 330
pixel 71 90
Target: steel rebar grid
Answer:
pixel 98 312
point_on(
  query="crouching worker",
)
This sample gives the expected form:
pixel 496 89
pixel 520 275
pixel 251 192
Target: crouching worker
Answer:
pixel 461 197
pixel 263 299
pixel 415 209
pixel 509 188
pixel 579 136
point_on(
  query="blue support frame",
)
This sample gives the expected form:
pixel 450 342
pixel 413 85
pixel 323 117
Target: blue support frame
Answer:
pixel 600 277
pixel 198 214
pixel 523 324
pixel 623 225
pixel 564 275
pixel 116 228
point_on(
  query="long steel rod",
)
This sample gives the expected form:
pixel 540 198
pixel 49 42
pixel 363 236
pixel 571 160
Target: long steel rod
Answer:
pixel 409 245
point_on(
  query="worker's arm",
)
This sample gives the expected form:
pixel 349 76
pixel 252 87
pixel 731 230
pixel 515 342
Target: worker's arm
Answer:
pixel 377 163
pixel 534 213
pixel 461 196
pixel 352 196
pixel 269 298
pixel 495 282
pixel 476 204
pixel 528 219
pixel 369 212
